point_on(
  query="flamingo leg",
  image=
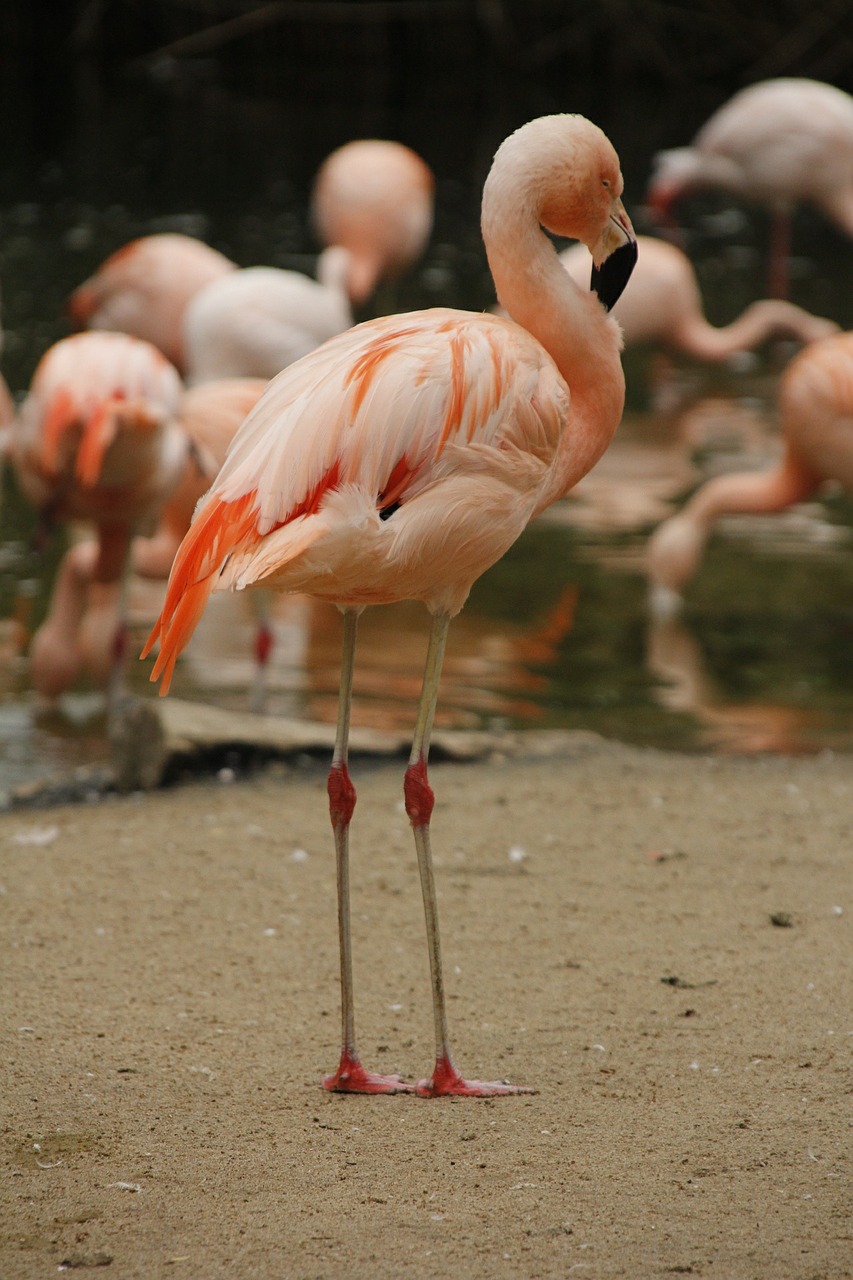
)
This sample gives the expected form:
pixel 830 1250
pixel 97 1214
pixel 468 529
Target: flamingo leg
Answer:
pixel 264 641
pixel 780 254
pixel 445 1078
pixel 350 1076
pixel 116 689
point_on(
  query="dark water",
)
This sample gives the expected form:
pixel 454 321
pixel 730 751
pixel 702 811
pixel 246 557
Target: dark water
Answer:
pixel 558 633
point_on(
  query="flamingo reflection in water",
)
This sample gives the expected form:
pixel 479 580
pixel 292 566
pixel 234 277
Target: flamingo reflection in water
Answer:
pixel 494 672
pixel 674 656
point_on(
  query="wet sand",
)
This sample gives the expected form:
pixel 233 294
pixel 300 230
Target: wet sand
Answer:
pixel 659 944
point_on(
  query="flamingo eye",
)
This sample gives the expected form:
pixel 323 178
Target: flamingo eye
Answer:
pixel 605 182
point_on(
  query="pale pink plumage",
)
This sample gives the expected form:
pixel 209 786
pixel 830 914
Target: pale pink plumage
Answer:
pixel 143 289
pixel 815 401
pixel 256 321
pixel 335 442
pixel 402 458
pixel 95 440
pixel 209 415
pixel 662 305
pixel 779 143
pixel 372 209
pixel 95 437
pixel 85 604
pixel 374 198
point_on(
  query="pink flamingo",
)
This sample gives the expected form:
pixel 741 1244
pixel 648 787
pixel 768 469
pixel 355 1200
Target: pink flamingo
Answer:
pixel 402 458
pixel 778 142
pixel 815 400
pixel 210 415
pixel 256 321
pixel 662 304
pixel 84 614
pixel 143 289
pixel 372 207
pixel 374 198
pixel 95 440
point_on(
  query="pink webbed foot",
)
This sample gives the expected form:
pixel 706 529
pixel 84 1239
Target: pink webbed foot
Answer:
pixel 351 1077
pixel 447 1082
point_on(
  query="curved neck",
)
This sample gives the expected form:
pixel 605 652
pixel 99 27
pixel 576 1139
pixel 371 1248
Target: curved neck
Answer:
pixel 570 323
pixel 753 492
pixel 768 318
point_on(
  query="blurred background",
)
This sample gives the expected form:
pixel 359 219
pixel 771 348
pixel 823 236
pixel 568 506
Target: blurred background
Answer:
pixel 211 117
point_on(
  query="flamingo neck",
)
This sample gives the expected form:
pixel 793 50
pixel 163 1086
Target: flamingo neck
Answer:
pixel 334 266
pixel 768 318
pixel 573 327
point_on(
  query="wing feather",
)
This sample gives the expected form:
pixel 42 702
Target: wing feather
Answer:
pixel 386 410
pixel 387 389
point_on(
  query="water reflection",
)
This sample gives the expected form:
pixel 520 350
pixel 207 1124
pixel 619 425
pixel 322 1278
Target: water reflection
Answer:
pixel 491 675
pixel 557 634
pixel 674 655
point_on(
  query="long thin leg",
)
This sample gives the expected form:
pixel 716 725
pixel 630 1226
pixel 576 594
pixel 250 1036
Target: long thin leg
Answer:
pixel 780 254
pixel 116 689
pixel 350 1076
pixel 264 640
pixel 419 803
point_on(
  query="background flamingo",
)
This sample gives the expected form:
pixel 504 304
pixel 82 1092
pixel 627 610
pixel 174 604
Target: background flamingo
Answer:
pixel 662 304
pixel 85 606
pixel 144 287
pixel 374 198
pixel 372 206
pixel 254 322
pixel 815 401
pixel 402 458
pixel 778 142
pixel 95 440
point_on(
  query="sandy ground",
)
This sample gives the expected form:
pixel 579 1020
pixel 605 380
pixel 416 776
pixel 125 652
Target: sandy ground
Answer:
pixel 170 1004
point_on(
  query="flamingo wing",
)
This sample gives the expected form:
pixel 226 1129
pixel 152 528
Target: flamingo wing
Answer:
pixel 377 418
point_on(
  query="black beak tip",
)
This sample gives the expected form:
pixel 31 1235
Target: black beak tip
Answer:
pixel 610 278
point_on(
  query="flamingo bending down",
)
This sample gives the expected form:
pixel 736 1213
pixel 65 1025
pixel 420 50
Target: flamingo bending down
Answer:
pixel 95 440
pixel 402 458
pixel 815 400
pixel 778 142
pixel 662 304
pixel 373 198
pixel 254 322
pixel 85 610
pixel 143 289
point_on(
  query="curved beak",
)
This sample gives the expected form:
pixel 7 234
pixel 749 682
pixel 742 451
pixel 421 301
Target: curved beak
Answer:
pixel 614 257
